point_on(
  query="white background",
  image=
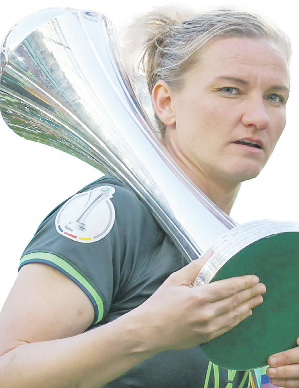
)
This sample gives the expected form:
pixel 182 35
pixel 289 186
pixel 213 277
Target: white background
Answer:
pixel 35 178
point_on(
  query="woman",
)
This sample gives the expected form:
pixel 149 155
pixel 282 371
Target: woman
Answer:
pixel 120 312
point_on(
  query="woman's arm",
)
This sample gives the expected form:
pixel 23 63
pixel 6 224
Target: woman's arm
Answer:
pixel 42 339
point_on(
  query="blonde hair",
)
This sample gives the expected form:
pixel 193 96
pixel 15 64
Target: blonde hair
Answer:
pixel 172 41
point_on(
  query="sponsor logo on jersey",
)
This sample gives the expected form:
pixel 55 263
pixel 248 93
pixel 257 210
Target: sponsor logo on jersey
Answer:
pixel 87 217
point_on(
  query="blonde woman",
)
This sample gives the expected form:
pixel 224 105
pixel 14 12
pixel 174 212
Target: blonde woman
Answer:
pixel 120 312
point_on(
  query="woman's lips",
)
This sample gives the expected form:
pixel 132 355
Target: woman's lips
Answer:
pixel 250 143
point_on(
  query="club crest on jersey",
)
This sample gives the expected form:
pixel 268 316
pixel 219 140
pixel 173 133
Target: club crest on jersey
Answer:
pixel 87 217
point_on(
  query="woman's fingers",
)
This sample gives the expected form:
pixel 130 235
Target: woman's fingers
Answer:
pixel 187 275
pixel 284 368
pixel 233 289
pixel 224 314
pixel 285 376
pixel 225 322
pixel 225 303
pixel 194 315
pixel 250 297
pixel 287 357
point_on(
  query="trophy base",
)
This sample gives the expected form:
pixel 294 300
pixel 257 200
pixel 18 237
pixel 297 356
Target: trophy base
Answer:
pixel 274 325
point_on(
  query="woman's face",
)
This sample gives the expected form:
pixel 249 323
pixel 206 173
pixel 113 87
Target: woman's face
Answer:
pixel 231 110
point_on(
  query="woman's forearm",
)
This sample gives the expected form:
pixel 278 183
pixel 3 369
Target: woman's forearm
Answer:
pixel 87 360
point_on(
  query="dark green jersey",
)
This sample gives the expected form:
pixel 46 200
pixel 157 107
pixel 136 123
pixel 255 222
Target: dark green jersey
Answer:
pixel 106 240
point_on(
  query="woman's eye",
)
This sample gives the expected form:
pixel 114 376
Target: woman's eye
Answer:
pixel 229 90
pixel 276 98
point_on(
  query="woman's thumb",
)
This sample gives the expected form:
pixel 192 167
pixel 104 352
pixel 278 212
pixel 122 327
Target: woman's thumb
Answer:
pixel 190 271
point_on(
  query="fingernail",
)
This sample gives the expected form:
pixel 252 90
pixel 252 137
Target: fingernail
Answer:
pixel 273 361
pixel 262 288
pixel 260 299
pixel 271 372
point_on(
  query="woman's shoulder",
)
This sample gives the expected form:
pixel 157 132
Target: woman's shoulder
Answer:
pixel 125 200
pixel 119 190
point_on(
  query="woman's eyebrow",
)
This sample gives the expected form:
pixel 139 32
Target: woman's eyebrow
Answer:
pixel 234 79
pixel 283 88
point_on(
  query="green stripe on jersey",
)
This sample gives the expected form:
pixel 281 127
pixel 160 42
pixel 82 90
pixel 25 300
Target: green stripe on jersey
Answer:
pixel 56 261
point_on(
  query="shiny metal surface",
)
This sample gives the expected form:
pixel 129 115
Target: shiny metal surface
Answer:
pixel 63 84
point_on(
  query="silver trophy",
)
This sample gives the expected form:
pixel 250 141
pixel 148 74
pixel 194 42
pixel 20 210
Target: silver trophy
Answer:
pixel 63 84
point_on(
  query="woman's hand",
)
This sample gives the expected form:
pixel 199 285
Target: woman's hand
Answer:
pixel 284 368
pixel 50 337
pixel 183 316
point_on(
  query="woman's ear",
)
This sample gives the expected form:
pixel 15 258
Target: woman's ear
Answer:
pixel 163 101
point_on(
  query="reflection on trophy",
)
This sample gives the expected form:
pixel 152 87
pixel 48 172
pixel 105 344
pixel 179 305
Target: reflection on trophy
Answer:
pixel 63 84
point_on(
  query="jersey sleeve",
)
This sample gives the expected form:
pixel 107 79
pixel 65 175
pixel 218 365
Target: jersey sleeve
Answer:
pixel 96 238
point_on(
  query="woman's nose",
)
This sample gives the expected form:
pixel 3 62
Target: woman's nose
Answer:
pixel 255 114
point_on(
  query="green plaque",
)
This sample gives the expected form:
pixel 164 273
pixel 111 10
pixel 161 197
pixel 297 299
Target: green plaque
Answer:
pixel 274 325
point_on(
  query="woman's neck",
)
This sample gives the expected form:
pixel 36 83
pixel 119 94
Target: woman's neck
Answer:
pixel 223 194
